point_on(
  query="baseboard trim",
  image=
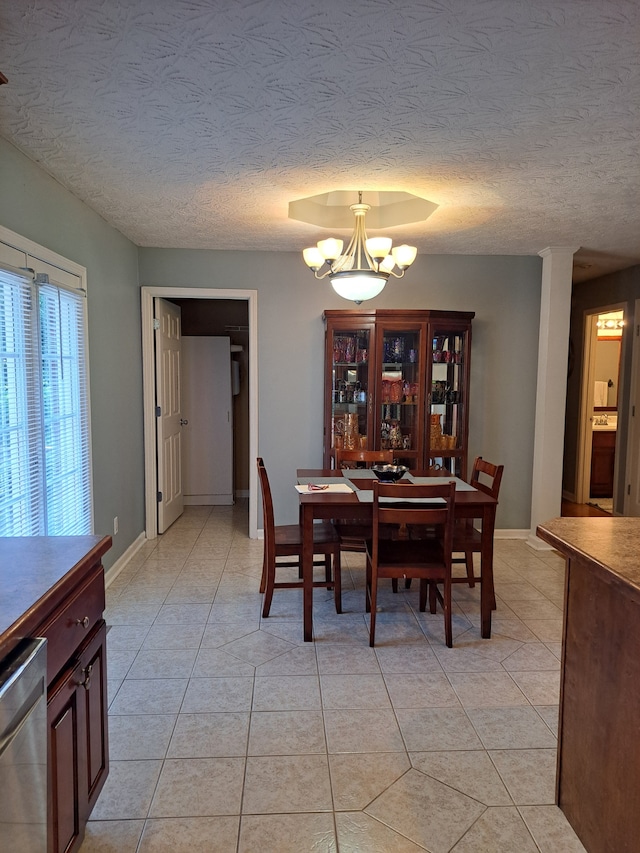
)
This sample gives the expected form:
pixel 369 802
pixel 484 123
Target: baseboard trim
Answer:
pixel 112 573
pixel 511 533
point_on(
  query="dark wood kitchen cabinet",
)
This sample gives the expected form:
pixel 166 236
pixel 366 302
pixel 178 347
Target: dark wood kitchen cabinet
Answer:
pixel 399 380
pixel 78 742
pixel 54 587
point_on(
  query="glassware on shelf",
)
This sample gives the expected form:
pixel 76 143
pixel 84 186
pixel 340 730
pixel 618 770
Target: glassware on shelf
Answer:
pixel 393 350
pixel 395 436
pixel 351 432
pixel 395 391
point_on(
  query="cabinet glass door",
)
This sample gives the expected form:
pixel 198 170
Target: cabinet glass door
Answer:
pixel 448 409
pixel 350 388
pixel 400 395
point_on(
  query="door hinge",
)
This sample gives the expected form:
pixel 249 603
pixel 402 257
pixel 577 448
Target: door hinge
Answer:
pixel 159 497
pixel 158 411
pixel 629 489
pixel 633 411
pixel 156 325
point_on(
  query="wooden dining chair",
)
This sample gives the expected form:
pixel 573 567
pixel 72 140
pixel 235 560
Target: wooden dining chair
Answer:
pixel 285 540
pixel 467 539
pixel 353 532
pixel 428 559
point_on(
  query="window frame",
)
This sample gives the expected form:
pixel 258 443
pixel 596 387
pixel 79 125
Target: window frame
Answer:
pixel 22 253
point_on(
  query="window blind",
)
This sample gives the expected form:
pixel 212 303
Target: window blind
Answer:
pixel 45 482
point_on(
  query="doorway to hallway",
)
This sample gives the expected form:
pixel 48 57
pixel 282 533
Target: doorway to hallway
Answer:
pixel 185 295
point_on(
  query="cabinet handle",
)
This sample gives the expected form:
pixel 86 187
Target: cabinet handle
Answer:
pixel 84 622
pixel 86 681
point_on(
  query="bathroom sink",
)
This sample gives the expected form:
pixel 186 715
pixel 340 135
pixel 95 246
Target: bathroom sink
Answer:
pixel 610 426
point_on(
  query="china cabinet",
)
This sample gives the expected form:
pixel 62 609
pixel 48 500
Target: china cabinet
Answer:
pixel 398 379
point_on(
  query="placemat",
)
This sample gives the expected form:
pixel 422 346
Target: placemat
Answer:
pixel 358 474
pixel 461 486
pixel 331 488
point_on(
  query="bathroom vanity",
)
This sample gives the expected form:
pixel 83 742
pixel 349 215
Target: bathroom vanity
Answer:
pixel 603 454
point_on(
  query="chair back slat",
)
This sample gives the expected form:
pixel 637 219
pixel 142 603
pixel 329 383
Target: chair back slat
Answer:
pixel 267 507
pixel 345 458
pixel 491 477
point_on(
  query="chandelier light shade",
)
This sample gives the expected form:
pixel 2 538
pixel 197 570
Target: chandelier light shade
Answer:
pixel 361 270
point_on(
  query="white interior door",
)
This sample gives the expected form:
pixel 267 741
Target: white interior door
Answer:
pixel 207 408
pixel 168 342
pixel 632 484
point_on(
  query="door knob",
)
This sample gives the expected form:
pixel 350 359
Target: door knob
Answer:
pixel 183 421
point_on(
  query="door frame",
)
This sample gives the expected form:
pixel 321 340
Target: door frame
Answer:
pixel 632 474
pixel 583 473
pixel 147 295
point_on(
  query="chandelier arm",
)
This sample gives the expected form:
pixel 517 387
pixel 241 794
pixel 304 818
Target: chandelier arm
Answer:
pixel 397 274
pixel 327 272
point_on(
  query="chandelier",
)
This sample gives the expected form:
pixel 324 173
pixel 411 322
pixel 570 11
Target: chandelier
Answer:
pixel 363 269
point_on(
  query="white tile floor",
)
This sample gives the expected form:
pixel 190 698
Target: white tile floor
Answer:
pixel 229 734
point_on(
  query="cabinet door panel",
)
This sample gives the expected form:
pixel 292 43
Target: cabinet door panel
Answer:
pixel 348 403
pixel 449 400
pixel 64 781
pixel 94 697
pixel 401 399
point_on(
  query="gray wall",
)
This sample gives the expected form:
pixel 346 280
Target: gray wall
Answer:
pixel 37 207
pixel 503 291
pixel 589 297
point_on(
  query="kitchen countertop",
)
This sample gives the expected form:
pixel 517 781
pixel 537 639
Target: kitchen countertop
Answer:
pixel 35 567
pixel 613 544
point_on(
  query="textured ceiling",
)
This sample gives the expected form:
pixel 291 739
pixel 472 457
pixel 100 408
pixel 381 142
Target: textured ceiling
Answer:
pixel 194 123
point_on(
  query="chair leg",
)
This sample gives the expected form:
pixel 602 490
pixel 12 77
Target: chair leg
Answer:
pixel 468 559
pixel 373 605
pixel 448 633
pixel 327 570
pixel 424 586
pixel 337 581
pixel 367 588
pixel 432 596
pixel 394 584
pixel 268 593
pixel 263 579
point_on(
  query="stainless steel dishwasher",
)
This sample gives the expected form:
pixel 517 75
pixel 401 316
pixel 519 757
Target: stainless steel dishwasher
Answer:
pixel 23 748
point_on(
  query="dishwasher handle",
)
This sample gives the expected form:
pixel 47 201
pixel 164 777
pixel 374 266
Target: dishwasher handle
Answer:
pixel 20 720
pixel 22 684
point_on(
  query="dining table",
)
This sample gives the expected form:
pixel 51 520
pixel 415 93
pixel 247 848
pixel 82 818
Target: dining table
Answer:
pixel 348 493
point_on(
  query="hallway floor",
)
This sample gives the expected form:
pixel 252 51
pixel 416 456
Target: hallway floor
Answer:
pixel 229 734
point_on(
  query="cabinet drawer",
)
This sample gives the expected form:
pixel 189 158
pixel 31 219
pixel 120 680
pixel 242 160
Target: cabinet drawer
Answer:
pixel 72 623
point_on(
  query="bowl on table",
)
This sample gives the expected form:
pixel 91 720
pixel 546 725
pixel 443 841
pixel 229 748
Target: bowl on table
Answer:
pixel 389 473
